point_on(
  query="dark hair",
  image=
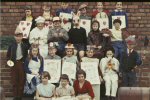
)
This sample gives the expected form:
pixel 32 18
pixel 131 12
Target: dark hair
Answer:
pixel 80 71
pixel 95 21
pixel 28 8
pixel 46 74
pixel 117 21
pixel 109 49
pixel 64 76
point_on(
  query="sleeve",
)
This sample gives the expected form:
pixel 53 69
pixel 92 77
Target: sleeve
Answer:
pixel 75 87
pixel 89 40
pixel 70 38
pixel 85 38
pixel 9 53
pixel 90 90
pixel 110 20
pixel 31 37
pixel 49 36
pixel 116 67
pixel 138 60
pixel 126 17
pixel 65 36
pixel 26 66
pixel 41 67
pixel 102 66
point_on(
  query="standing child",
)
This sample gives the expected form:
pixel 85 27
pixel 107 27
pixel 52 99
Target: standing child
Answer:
pixel 118 12
pixel 17 53
pixel 33 68
pixel 64 88
pixel 45 90
pixel 130 61
pixel 110 67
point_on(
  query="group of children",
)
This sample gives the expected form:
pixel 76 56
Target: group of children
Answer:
pixel 115 54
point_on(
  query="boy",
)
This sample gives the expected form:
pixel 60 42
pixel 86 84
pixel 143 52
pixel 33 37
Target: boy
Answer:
pixel 17 53
pixel 52 52
pixel 130 61
pixel 64 88
pixel 118 12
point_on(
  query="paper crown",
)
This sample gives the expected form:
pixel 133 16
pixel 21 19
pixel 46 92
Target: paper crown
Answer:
pixel 56 19
pixel 131 39
pixel 82 6
pixel 70 46
pixel 89 47
pixel 40 19
pixel 51 45
pixel 18 30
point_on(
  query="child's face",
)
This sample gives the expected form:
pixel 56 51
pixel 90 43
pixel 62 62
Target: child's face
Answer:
pixel 40 25
pixel 44 80
pixel 34 51
pixel 64 5
pixel 69 52
pixel 83 11
pixel 95 26
pixel 81 78
pixel 52 52
pixel 99 5
pixel 18 38
pixel 117 25
pixel 28 12
pixel 57 24
pixel 64 82
pixel 130 46
pixel 109 53
pixel 90 53
pixel 119 5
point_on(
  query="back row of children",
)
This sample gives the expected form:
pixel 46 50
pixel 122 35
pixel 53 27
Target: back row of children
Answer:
pixel 26 73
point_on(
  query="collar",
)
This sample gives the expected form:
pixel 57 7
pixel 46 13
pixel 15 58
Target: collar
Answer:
pixel 29 17
pixel 78 27
pixel 116 10
pixel 118 29
pixel 60 86
pixel 128 50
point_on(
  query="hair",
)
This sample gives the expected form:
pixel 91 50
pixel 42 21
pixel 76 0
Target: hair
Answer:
pixel 28 8
pixel 71 49
pixel 80 71
pixel 109 49
pixel 64 77
pixel 95 21
pixel 30 56
pixel 117 21
pixel 46 74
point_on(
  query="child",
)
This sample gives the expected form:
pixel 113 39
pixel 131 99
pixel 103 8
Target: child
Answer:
pixel 17 53
pixel 90 58
pixel 100 13
pixel 83 10
pixel 33 67
pixel 117 39
pixel 52 51
pixel 64 8
pixel 130 61
pixel 39 36
pixel 83 88
pixel 58 35
pixel 109 67
pixel 64 88
pixel 45 90
pixel 77 36
pixel 118 12
pixel 29 17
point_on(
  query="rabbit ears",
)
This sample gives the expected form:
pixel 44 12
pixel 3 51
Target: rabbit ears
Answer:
pixel 78 14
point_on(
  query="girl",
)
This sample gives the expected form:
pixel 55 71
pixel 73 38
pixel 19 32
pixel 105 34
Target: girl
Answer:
pixel 33 68
pixel 109 67
pixel 45 90
pixel 83 88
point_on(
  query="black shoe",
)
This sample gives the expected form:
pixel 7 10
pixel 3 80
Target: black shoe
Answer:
pixel 113 98
pixel 107 98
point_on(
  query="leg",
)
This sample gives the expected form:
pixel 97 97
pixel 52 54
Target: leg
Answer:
pixel 115 46
pixel 132 78
pixel 96 89
pixel 107 85
pixel 125 78
pixel 114 86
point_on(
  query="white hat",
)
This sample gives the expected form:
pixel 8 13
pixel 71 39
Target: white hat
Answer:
pixel 70 46
pixel 40 19
pixel 82 6
pixel 51 45
pixel 56 19
pixel 131 39
pixel 18 30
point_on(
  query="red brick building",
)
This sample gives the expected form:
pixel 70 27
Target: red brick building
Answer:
pixel 138 20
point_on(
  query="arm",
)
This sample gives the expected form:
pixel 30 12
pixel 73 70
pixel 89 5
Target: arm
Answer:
pixel 85 38
pixel 49 36
pixel 26 66
pixel 89 39
pixel 9 53
pixel 90 90
pixel 72 92
pixel 37 95
pixel 41 67
pixel 65 35
pixel 138 60
pixel 126 18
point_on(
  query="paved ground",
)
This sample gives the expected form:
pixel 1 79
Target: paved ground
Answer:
pixel 10 98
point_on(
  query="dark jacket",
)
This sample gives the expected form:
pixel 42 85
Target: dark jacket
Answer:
pixel 11 52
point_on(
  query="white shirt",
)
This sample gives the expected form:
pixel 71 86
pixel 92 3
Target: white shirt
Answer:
pixel 19 52
pixel 117 35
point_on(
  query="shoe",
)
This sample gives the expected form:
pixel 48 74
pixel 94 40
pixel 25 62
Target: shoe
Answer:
pixel 107 98
pixel 113 98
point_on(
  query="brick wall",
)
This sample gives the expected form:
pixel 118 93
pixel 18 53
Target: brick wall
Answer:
pixel 139 23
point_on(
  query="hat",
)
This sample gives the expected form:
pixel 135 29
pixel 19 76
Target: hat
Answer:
pixel 40 19
pixel 131 40
pixel 69 46
pixel 51 45
pixel 56 19
pixel 82 6
pixel 89 47
pixel 18 31
pixel 28 8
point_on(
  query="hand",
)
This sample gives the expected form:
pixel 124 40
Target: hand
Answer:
pixel 61 34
